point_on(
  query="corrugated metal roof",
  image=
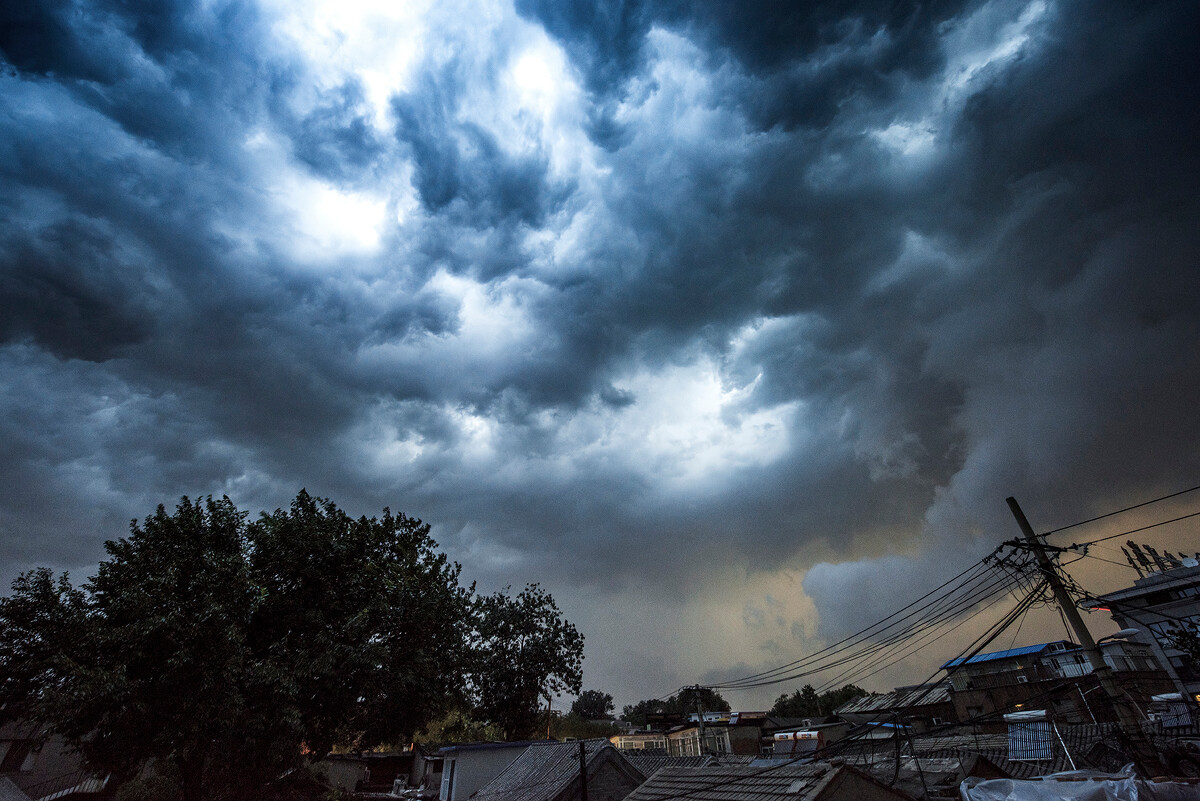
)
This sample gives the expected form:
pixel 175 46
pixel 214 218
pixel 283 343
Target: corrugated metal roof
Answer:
pixel 1011 652
pixel 897 699
pixel 785 782
pixel 545 769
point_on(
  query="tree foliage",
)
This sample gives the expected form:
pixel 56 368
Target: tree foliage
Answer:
pixel 564 727
pixel 525 652
pixel 224 650
pixel 807 703
pixel 684 702
pixel 593 705
pixel 369 614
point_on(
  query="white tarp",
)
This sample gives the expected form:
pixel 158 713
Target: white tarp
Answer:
pixel 1080 785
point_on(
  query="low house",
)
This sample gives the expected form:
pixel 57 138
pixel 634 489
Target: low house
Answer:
pixel 818 781
pixel 466 768
pixel 562 771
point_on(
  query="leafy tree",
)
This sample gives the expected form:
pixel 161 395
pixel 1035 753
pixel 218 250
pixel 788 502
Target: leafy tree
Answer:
pixel 682 703
pixel 691 699
pixel 636 713
pixel 806 702
pixel 574 727
pixel 148 660
pixel 456 726
pixel 363 616
pixel 220 650
pixel 593 705
pixel 525 651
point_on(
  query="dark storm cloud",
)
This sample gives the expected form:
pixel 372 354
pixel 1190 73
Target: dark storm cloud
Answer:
pixel 807 60
pixel 934 254
pixel 457 161
pixel 335 139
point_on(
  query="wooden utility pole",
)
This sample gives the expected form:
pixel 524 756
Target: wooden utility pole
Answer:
pixel 582 771
pixel 1143 754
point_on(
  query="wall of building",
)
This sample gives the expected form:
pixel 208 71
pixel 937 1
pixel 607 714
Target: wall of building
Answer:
pixel 606 782
pixel 464 772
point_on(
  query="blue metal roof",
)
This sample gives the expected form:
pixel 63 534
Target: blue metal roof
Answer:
pixel 1022 651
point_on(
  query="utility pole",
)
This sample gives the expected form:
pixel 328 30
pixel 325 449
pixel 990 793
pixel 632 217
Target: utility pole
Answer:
pixel 700 713
pixel 582 771
pixel 1143 754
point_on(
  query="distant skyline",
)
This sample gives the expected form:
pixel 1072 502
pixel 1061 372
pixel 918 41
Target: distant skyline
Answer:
pixel 732 325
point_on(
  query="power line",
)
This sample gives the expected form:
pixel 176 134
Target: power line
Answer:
pixel 916 646
pixel 931 633
pixel 881 653
pixel 1122 511
pixel 843 644
pixel 1077 545
pixel 861 640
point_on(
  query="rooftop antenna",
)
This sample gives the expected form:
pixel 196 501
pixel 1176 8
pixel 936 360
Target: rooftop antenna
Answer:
pixel 1158 560
pixel 1141 557
pixel 1132 563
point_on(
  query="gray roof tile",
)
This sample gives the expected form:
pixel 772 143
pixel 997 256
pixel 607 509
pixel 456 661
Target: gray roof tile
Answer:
pixel 545 769
pixel 785 782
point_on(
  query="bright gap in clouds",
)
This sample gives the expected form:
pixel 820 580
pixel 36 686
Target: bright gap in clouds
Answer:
pixel 688 424
pixel 323 221
pixel 376 42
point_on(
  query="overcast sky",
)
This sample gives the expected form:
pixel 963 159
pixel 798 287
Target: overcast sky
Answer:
pixel 732 324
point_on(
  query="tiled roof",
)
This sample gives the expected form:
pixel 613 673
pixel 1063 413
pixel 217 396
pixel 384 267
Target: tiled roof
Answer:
pixel 734 759
pixel 897 699
pixel 1078 739
pixel 786 782
pixel 651 759
pixel 545 769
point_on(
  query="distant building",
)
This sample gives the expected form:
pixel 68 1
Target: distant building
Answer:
pixel 638 741
pixel 1165 596
pixel 690 741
